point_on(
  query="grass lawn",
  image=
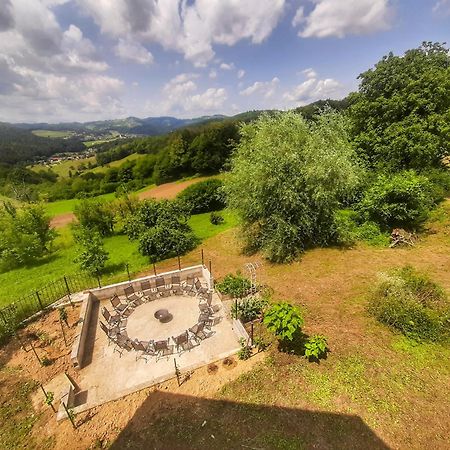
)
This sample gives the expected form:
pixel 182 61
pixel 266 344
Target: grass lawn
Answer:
pixel 121 250
pixel 52 134
pixel 90 144
pixel 118 163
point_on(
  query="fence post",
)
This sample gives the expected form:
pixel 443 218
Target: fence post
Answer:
pixel 177 372
pixel 154 269
pixel 68 291
pixel 128 272
pixel 210 268
pixel 179 263
pixel 251 334
pixel 35 353
pixel 69 415
pixel 98 280
pixel 63 332
pixel 39 300
pixel 203 259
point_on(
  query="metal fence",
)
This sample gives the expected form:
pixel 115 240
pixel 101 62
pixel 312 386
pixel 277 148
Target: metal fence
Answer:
pixel 22 308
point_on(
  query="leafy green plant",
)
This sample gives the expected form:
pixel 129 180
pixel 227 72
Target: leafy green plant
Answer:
pixel 50 396
pixel 235 286
pixel 216 218
pixel 316 347
pixel 411 303
pixel 260 344
pixel 92 255
pixel 161 229
pixel 204 196
pixel 245 352
pixel 46 361
pixel 284 320
pixel 248 309
pixel 400 200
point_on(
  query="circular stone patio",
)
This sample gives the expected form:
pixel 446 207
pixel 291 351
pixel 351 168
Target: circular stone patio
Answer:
pixel 143 325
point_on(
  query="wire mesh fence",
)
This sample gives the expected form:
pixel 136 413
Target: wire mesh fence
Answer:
pixel 22 308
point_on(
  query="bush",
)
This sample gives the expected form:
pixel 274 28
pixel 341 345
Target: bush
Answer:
pixel 204 196
pixel 235 286
pixel 400 200
pixel 216 218
pixel 26 235
pixel 316 347
pixel 248 309
pixel 161 242
pixel 95 215
pixel 161 228
pixel 351 228
pixel 92 255
pixel 245 352
pixel 284 320
pixel 412 304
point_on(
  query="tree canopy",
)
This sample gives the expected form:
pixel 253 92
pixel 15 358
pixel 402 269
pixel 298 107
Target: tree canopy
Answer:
pixel 287 178
pixel 401 114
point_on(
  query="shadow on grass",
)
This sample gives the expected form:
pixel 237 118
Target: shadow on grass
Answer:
pixel 172 421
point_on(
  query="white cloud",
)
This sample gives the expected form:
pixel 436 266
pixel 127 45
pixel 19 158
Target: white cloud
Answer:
pixel 213 74
pixel 191 28
pixel 133 51
pixel 340 18
pixel 442 7
pixel 181 98
pixel 241 73
pixel 299 16
pixel 225 66
pixel 47 72
pixel 209 101
pixel 313 89
pixel 309 73
pixel 267 88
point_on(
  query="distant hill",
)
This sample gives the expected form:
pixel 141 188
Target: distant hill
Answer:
pixel 150 126
pixel 18 145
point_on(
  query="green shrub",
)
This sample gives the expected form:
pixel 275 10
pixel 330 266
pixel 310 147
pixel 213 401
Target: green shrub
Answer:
pixel 161 228
pixel 92 255
pixel 248 309
pixel 412 304
pixel 235 286
pixel 204 196
pixel 284 320
pixel 351 228
pixel 95 215
pixel 245 351
pixel 400 200
pixel 161 242
pixel 216 218
pixel 316 347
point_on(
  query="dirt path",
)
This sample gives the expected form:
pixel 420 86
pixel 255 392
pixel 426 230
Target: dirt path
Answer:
pixel 163 191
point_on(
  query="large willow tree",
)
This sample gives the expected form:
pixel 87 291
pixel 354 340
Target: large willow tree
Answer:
pixel 286 181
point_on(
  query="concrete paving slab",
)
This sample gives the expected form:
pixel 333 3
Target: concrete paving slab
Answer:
pixel 109 375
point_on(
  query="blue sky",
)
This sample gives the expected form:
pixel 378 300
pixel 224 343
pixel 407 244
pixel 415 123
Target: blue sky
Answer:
pixel 65 60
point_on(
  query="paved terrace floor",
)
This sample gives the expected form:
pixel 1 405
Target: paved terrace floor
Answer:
pixel 108 376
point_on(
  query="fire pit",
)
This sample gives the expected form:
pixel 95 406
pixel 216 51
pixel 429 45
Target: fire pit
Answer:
pixel 163 315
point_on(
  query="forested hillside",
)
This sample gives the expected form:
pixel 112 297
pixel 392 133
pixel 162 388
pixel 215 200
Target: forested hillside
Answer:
pixel 17 145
